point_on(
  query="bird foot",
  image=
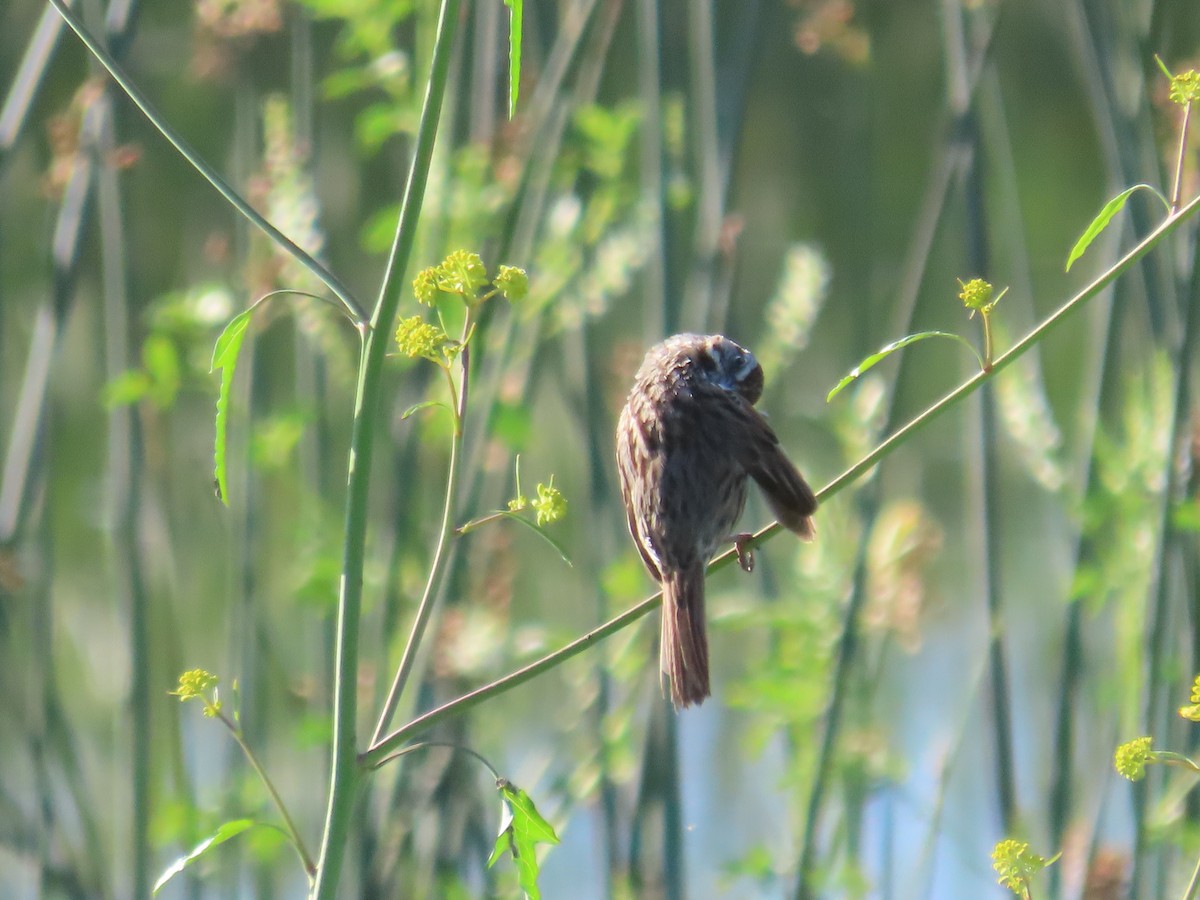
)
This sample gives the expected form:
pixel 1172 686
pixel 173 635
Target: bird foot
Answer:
pixel 745 554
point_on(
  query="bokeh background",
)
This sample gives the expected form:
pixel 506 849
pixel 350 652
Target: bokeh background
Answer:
pixel 984 617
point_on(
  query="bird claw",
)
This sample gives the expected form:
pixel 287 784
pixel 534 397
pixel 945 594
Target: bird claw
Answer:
pixel 745 554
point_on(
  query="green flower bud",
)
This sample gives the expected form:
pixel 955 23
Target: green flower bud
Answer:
pixel 462 272
pixel 417 339
pixel 512 282
pixel 1131 758
pixel 425 286
pixel 550 504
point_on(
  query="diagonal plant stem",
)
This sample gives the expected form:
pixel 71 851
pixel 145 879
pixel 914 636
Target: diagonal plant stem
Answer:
pixel 346 775
pixel 292 831
pixel 353 308
pixel 424 722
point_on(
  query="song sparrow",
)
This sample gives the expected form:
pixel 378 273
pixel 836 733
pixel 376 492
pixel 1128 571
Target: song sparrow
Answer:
pixel 688 437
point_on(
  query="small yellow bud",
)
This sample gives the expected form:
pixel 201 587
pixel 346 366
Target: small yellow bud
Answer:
pixel 1131 758
pixel 1016 865
pixel 1185 87
pixel 975 294
pixel 425 286
pixel 512 282
pixel 462 272
pixel 416 338
pixel 194 683
pixel 550 504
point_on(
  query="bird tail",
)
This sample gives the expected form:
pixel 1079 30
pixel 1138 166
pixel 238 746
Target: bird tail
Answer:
pixel 683 651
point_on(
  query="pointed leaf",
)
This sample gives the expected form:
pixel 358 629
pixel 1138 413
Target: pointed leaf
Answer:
pixel 504 838
pixel 1111 208
pixel 514 53
pixel 221 835
pixel 417 407
pixel 527 821
pixel 225 355
pixel 523 828
pixel 883 352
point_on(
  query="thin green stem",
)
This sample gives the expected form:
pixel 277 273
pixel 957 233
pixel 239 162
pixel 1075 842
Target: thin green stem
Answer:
pixel 346 775
pixel 381 747
pixel 987 341
pixel 1194 884
pixel 437 568
pixel 1171 758
pixel 1181 157
pixel 353 308
pixel 426 721
pixel 482 520
pixel 452 746
pixel 293 832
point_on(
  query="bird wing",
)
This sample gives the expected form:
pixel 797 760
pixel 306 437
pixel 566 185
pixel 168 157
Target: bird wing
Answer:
pixel 756 447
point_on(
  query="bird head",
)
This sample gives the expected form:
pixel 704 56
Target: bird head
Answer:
pixel 732 366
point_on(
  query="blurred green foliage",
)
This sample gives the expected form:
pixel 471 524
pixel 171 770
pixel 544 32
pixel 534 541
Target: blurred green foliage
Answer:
pixel 811 177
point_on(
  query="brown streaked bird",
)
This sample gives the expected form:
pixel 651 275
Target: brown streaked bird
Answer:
pixel 688 437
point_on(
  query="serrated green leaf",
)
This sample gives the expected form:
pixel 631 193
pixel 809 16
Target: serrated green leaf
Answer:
pixel 504 838
pixel 521 830
pixel 1111 208
pixel 221 835
pixel 417 407
pixel 526 818
pixel 514 53
pixel 883 352
pixel 225 355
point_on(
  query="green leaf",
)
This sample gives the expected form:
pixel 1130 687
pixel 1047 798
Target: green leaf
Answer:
pixel 538 530
pixel 520 831
pixel 883 352
pixel 161 361
pixel 417 407
pixel 1111 208
pixel 1186 516
pixel 225 355
pixel 514 53
pixel 128 387
pixel 220 836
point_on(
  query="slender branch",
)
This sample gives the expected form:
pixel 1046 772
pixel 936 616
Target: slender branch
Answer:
pixel 423 723
pixel 293 832
pixel 353 308
pixel 381 747
pixel 452 746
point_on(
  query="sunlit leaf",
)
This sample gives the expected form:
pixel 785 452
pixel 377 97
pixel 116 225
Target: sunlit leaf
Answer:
pixel 225 355
pixel 520 831
pixel 1186 516
pixel 221 835
pixel 417 407
pixel 877 357
pixel 514 53
pixel 1111 208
